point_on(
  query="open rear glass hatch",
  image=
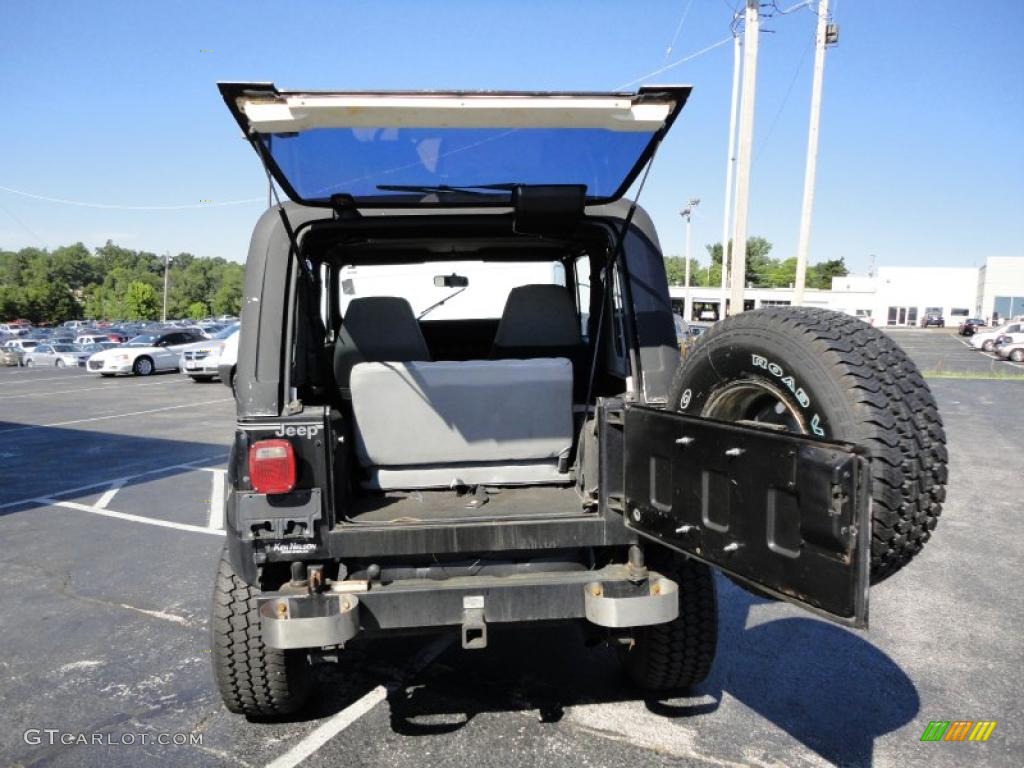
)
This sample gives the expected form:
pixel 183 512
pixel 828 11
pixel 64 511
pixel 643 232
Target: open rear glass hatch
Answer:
pixel 444 148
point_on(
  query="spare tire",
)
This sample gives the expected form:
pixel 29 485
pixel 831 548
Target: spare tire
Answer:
pixel 828 374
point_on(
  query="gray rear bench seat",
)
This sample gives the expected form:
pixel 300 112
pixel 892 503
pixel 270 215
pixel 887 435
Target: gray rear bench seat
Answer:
pixel 477 422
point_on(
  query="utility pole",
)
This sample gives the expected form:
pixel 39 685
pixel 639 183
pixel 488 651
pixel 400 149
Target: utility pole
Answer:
pixel 730 165
pixel 687 213
pixel 824 35
pixel 751 27
pixel 167 262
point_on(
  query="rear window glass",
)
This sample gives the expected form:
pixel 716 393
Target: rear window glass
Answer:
pixel 321 162
pixel 423 285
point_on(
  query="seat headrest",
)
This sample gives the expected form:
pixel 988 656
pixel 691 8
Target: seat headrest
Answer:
pixel 377 329
pixel 538 316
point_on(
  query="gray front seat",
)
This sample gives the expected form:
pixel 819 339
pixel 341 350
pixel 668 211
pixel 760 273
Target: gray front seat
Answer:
pixel 377 329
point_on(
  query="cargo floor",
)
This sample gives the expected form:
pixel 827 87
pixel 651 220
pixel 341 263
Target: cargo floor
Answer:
pixel 446 505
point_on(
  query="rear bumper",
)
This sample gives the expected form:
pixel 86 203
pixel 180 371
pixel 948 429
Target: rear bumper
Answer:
pixel 605 597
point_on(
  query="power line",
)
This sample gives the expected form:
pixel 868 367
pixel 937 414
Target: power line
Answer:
pixel 679 27
pixel 24 226
pixel 674 64
pixel 116 207
pixel 785 98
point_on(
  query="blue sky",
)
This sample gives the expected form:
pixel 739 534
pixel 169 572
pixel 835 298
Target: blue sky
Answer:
pixel 921 161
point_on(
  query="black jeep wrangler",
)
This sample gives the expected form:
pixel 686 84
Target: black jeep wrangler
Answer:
pixel 460 401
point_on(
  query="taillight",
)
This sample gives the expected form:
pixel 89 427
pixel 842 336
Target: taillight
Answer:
pixel 272 466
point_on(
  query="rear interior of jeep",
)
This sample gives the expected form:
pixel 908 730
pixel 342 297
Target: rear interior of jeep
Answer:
pixel 458 368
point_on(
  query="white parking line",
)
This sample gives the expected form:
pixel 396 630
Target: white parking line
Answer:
pixel 34 380
pixel 131 518
pixel 116 415
pixel 87 389
pixel 217 500
pixel 342 720
pixel 324 733
pixel 101 483
pixel 108 495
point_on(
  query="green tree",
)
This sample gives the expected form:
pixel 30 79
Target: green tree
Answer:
pixel 197 310
pixel 74 265
pixel 820 275
pixel 141 302
pixel 227 300
pixel 758 260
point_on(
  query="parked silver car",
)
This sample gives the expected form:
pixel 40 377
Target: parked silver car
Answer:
pixel 20 347
pixel 56 356
pixel 1012 350
pixel 200 361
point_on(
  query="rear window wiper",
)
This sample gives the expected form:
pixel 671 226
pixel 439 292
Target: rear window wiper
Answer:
pixel 444 189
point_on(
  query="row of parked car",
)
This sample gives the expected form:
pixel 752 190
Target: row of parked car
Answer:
pixel 1006 341
pixel 196 350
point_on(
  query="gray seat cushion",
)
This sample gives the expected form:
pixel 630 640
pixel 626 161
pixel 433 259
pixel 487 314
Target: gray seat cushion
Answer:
pixel 377 328
pixel 423 424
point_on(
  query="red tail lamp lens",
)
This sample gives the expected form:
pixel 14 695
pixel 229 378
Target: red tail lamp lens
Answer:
pixel 272 466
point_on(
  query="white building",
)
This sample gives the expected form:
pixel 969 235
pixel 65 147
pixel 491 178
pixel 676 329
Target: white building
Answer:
pixel 1000 287
pixel 897 296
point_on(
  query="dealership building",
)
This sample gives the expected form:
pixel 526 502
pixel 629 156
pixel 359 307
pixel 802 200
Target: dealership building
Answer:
pixel 896 296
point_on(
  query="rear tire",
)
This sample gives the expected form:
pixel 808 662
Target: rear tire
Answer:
pixel 828 374
pixel 253 680
pixel 679 653
pixel 59 364
pixel 988 346
pixel 1017 355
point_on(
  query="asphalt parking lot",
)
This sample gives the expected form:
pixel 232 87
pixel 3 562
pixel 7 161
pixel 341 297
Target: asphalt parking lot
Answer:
pixel 110 519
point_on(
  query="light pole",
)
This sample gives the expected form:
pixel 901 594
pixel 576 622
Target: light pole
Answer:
pixel 730 167
pixel 745 141
pixel 167 263
pixel 687 213
pixel 825 35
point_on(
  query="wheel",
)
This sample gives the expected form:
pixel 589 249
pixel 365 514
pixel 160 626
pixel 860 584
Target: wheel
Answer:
pixel 253 679
pixel 143 366
pixel 234 393
pixel 988 346
pixel 1017 355
pixel 59 364
pixel 680 653
pixel 28 363
pixel 828 374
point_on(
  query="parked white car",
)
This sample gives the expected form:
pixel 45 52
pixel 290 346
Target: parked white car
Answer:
pixel 986 341
pixel 55 355
pixel 91 338
pixel 228 363
pixel 144 354
pixel 200 361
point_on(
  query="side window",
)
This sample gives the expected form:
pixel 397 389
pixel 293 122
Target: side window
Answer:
pixel 44 348
pixel 618 356
pixel 582 269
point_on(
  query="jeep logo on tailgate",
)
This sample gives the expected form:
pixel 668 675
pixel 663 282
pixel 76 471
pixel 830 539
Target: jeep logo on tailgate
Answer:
pixel 307 430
